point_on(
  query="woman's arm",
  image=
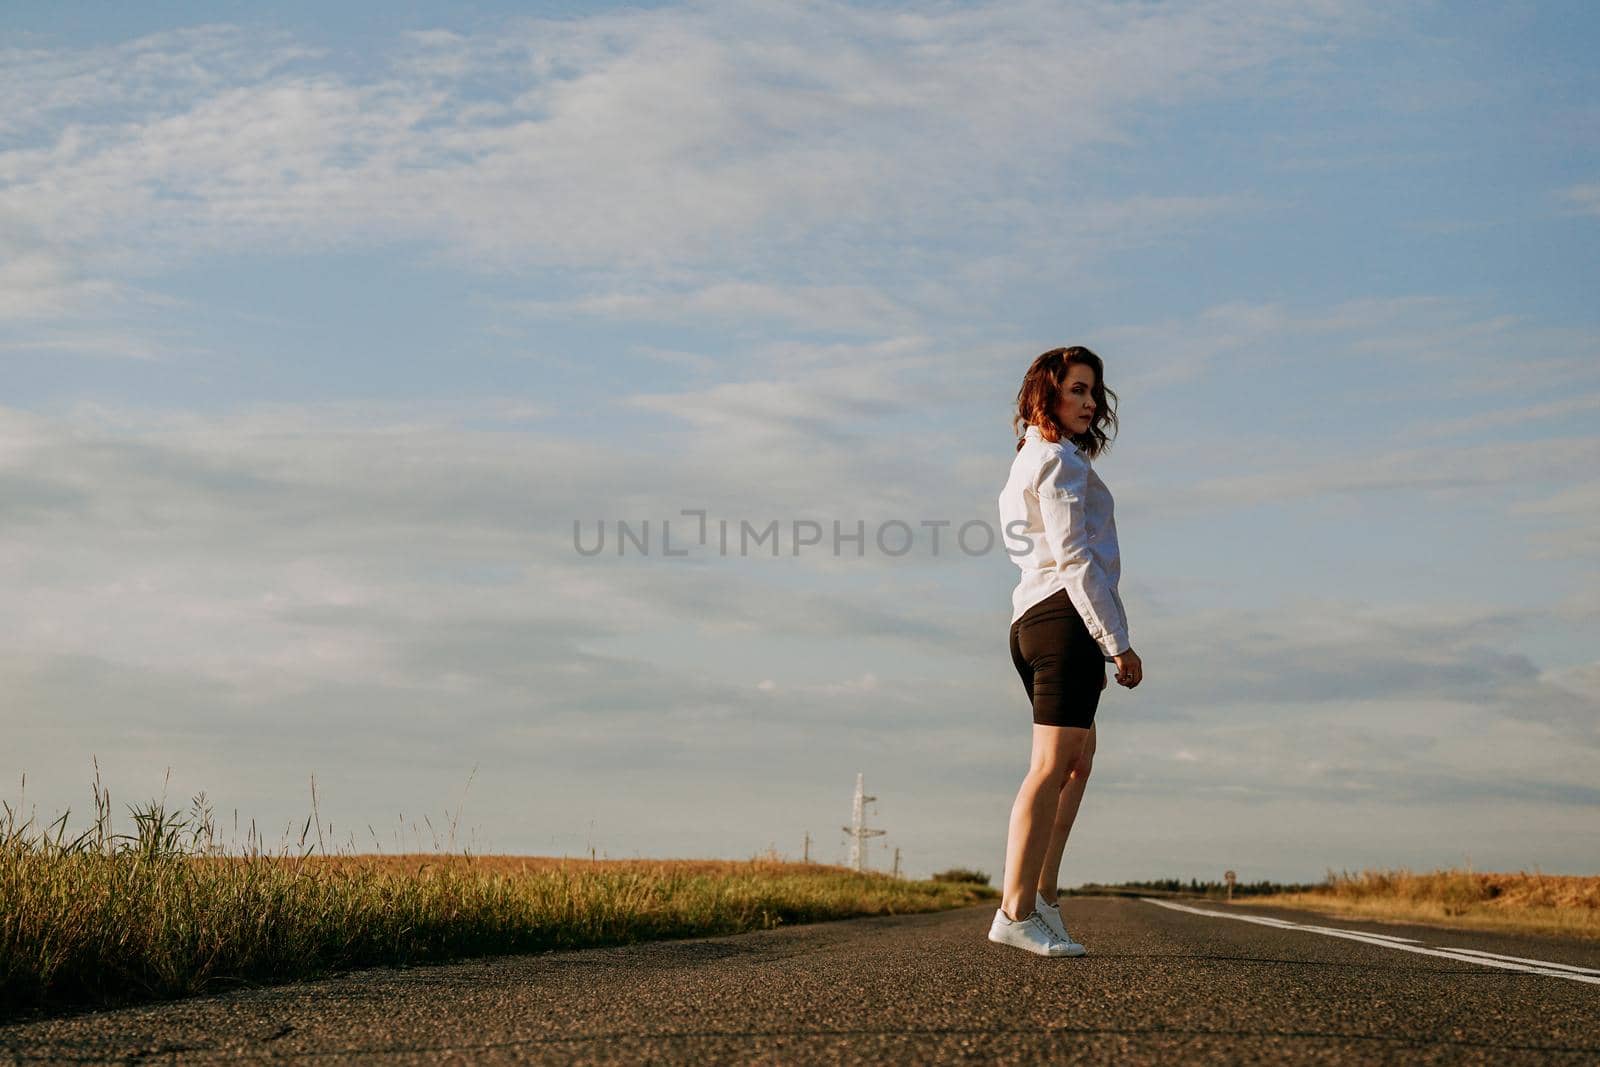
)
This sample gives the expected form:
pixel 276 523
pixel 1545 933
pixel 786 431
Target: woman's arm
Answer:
pixel 1063 488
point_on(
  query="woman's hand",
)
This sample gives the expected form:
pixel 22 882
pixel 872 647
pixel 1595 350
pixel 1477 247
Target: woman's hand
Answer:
pixel 1130 670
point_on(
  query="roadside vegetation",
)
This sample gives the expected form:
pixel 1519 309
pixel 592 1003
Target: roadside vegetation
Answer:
pixel 1559 905
pixel 105 919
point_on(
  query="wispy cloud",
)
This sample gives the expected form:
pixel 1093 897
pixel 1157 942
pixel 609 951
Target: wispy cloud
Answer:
pixel 648 142
pixel 830 308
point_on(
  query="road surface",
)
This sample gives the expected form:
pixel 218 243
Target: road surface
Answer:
pixel 1164 982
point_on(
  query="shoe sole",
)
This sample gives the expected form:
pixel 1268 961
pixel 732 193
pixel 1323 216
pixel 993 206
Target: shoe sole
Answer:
pixel 1028 948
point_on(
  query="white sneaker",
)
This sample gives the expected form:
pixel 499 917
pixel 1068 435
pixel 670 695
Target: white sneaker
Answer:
pixel 1051 914
pixel 1031 934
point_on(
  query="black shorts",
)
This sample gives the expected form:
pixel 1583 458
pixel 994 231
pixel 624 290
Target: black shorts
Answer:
pixel 1061 664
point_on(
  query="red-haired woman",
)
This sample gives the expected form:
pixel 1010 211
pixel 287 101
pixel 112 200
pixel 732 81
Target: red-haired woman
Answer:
pixel 1067 622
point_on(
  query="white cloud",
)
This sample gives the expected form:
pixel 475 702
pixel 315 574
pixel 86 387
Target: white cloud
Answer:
pixel 848 308
pixel 636 143
pixel 1464 352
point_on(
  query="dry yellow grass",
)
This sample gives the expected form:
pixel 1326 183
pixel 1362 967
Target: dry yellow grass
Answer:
pixel 1546 904
pixel 104 919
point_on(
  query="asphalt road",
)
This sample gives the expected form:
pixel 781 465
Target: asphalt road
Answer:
pixel 1159 985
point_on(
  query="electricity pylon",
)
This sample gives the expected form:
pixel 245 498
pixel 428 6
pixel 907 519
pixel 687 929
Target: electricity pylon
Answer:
pixel 858 830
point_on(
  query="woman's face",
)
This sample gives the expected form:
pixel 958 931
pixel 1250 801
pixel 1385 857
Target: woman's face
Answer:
pixel 1077 402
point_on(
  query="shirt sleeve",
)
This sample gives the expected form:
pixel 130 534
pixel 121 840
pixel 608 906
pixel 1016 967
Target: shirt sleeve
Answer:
pixel 1063 486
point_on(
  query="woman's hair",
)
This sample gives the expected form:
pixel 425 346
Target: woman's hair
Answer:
pixel 1040 398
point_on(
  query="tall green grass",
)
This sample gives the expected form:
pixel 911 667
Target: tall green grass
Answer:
pixel 106 919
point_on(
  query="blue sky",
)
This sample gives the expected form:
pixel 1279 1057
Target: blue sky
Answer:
pixel 320 329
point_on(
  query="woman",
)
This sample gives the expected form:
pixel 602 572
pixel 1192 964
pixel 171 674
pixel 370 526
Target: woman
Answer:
pixel 1067 621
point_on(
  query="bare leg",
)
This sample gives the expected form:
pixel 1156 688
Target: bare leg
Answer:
pixel 1066 812
pixel 1056 750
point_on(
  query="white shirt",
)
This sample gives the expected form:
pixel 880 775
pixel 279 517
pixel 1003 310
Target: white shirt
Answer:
pixel 1056 523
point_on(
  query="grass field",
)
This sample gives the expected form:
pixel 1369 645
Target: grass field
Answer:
pixel 104 920
pixel 1547 904
pixel 1558 905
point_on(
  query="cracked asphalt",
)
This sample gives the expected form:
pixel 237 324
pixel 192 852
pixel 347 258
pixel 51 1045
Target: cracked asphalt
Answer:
pixel 1159 985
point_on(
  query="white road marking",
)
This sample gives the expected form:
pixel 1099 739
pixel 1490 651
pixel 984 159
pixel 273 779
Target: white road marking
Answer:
pixel 1524 959
pixel 1484 959
pixel 1369 933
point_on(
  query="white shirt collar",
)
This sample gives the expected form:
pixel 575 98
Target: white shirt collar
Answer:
pixel 1034 433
